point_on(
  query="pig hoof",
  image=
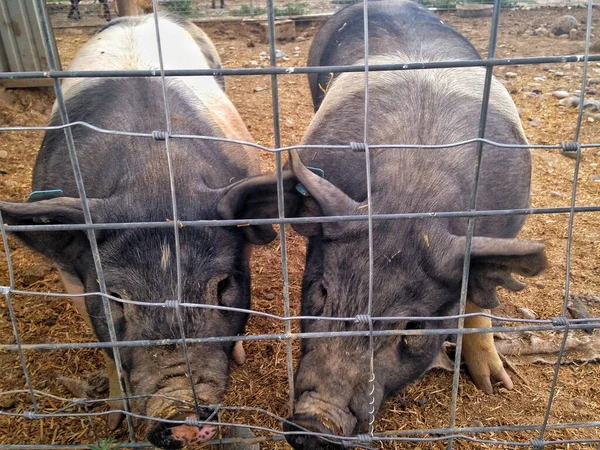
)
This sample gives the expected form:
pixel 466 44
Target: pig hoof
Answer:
pixel 240 433
pixel 239 354
pixel 486 367
pixel 114 419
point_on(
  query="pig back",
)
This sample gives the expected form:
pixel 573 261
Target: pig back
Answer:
pixel 394 26
pixel 424 107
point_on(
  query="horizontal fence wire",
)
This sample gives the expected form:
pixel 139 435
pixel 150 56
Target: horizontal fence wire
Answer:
pixel 560 324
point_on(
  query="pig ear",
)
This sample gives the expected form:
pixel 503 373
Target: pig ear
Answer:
pixel 493 261
pixel 53 244
pixel 256 198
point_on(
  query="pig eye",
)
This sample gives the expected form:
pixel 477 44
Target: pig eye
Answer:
pixel 222 287
pixel 323 291
pixel 404 340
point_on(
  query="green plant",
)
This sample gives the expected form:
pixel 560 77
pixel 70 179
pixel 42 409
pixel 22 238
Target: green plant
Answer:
pixel 181 7
pixel 290 9
pixel 103 444
pixel 244 10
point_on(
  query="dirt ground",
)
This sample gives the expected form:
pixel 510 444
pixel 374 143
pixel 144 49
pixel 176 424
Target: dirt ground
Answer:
pixel 262 381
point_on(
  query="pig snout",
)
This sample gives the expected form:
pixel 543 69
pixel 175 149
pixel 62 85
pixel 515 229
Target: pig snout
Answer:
pixel 174 436
pixel 314 414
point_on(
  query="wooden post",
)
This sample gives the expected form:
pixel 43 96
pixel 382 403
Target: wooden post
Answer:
pixel 127 8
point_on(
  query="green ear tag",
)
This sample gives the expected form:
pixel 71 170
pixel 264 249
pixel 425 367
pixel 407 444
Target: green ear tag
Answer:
pixel 36 196
pixel 300 188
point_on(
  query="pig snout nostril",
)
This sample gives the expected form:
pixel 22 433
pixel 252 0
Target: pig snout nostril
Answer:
pixel 298 425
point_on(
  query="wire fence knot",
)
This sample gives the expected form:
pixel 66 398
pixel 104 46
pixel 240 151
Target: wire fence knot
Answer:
pixel 570 147
pixel 160 135
pixel 29 415
pixel 192 421
pixel 363 318
pixel 560 321
pixel 171 303
pixel 4 290
pixel 537 444
pixel 358 146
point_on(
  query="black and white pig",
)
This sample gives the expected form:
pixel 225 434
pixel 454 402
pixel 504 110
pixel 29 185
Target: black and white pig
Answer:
pixel 127 180
pixel 418 264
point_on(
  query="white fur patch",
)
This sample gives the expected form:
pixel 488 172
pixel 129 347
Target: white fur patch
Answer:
pixel 165 256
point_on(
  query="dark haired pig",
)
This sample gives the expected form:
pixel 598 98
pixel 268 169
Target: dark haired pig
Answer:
pixel 418 264
pixel 127 180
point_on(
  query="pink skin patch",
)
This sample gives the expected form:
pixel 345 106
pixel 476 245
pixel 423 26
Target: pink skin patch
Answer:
pixel 190 436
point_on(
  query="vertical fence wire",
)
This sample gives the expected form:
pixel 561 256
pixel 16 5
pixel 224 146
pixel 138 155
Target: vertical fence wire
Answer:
pixel 91 235
pixel 371 391
pixel 571 223
pixel 13 317
pixel 280 201
pixel 177 308
pixel 473 207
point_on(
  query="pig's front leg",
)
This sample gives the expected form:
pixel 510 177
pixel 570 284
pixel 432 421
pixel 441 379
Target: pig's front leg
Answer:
pixel 480 354
pixel 74 287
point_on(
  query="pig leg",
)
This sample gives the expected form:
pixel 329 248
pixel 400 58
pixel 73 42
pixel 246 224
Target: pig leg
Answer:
pixel 115 418
pixel 74 287
pixel 480 354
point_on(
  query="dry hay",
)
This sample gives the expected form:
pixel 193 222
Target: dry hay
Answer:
pixel 262 382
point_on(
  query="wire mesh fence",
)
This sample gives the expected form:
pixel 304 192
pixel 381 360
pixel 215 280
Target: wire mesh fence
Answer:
pixel 372 325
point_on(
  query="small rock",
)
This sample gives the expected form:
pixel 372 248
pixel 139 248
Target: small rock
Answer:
pixel 591 105
pixel 526 313
pixel 560 94
pixel 559 74
pixel 7 401
pixel 578 403
pixel 285 58
pixel 279 54
pixel 531 94
pixel 296 49
pixel 541 31
pixel 564 25
pixel 595 178
pixel 569 101
pixel 590 119
pixel 300 39
pixel 477 424
pixel 253 63
pixel 539 78
pixel 564 36
pixel 594 81
pixel 575 34
pixel 539 283
pixel 270 296
pixel 259 88
pixel 591 91
pixel 534 121
pixel 10 183
pixel 555 194
pixel 3 154
pixel 510 75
